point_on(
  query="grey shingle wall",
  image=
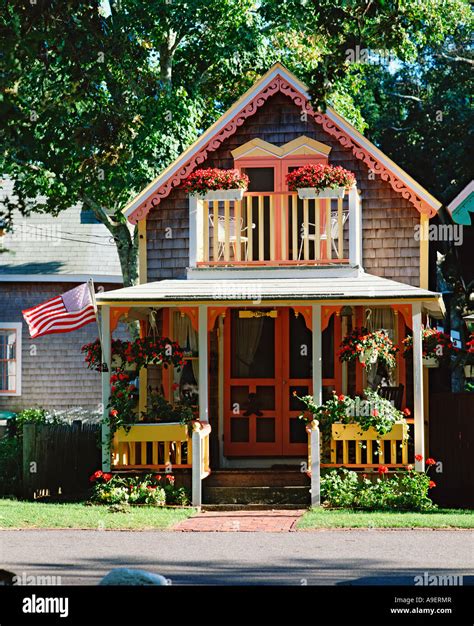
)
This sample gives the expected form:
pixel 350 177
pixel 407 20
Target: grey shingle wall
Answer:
pixel 56 376
pixel 389 247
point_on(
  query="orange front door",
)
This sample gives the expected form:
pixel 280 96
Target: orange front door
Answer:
pixel 267 357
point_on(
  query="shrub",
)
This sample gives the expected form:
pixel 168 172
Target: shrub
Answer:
pixel 405 491
pixel 148 489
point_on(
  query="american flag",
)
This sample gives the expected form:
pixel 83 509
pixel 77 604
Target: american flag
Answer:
pixel 61 314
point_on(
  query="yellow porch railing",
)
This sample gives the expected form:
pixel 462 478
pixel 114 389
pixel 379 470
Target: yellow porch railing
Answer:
pixel 354 448
pixel 152 446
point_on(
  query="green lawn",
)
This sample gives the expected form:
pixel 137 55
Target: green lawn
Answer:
pixel 345 518
pixel 17 514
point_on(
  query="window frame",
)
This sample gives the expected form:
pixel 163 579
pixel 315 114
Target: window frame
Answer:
pixel 18 328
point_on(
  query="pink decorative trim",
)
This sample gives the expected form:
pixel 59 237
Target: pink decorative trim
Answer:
pixel 279 85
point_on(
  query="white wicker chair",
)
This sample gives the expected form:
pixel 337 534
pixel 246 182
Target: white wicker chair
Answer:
pixel 232 234
pixel 323 236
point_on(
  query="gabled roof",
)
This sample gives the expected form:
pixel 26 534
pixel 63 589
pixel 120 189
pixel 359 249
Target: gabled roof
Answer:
pixel 279 79
pixel 71 247
pixel 462 205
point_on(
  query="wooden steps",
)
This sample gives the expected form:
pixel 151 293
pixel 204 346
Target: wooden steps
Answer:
pixel 256 487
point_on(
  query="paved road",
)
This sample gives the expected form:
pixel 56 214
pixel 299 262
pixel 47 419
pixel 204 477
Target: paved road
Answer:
pixel 295 558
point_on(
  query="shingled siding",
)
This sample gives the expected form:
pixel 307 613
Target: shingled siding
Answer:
pixel 389 247
pixel 54 374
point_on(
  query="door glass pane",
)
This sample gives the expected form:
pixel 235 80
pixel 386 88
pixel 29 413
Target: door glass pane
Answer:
pixel 238 398
pixel 266 429
pixel 239 429
pixel 261 178
pixel 298 432
pixel 265 398
pixel 301 348
pixel 253 347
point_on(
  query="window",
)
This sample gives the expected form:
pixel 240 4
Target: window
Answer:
pixel 10 359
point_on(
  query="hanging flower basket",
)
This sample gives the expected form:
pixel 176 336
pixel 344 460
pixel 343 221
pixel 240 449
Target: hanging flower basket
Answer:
pixel 438 347
pixel 320 181
pixel 368 357
pixel 368 347
pixel 430 362
pixel 216 184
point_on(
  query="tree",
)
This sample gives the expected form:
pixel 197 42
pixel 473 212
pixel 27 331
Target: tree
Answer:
pixel 95 103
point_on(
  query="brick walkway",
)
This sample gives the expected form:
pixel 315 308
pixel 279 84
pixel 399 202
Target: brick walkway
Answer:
pixel 241 521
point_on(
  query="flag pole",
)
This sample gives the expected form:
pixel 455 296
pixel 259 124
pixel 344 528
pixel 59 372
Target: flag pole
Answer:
pixel 90 284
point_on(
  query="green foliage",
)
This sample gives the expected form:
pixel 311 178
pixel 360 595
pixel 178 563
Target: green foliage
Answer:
pixel 407 491
pixel 159 410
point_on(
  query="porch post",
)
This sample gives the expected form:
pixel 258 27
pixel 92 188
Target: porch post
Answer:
pixel 203 365
pixel 106 358
pixel 196 217
pixel 355 228
pixel 418 387
pixel 317 353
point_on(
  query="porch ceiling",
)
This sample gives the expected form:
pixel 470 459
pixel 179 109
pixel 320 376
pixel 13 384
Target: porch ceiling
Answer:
pixel 251 292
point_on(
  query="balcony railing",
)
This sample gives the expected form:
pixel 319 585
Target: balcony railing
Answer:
pixel 271 228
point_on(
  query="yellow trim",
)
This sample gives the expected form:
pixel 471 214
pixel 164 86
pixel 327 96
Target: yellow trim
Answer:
pixel 142 252
pixel 351 432
pixel 424 252
pixel 153 432
pixel 300 145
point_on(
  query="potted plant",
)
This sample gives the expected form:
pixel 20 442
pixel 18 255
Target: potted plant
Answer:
pixel 368 347
pixel 371 416
pixel 216 184
pixel 437 347
pixel 320 181
pixel 160 411
pixel 469 356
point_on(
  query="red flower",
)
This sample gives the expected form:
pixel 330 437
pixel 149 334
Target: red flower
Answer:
pixel 406 412
pixel 131 388
pixel 157 476
pixel 383 469
pixel 430 461
pixel 123 376
pixel 174 386
pixel 375 413
pixel 114 412
pixel 418 457
pixel 114 378
pixel 170 477
pixel 113 389
pixel 95 476
pixel 432 484
pixel 341 397
pixel 120 394
pixel 107 477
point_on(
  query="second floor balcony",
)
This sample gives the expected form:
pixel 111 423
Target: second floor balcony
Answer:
pixel 275 229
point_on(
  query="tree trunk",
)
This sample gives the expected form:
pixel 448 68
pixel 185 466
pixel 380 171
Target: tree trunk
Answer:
pixel 127 248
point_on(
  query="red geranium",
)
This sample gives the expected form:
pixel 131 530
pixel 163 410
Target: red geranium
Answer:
pixel 430 461
pixel 432 484
pixel 418 457
pixel 383 469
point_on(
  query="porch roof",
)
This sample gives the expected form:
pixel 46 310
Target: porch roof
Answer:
pixel 364 288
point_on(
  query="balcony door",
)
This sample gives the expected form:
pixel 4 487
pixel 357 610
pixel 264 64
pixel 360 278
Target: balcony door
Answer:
pixel 263 369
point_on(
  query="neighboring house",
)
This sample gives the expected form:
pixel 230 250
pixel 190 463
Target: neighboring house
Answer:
pixel 44 257
pixel 264 317
pixel 463 205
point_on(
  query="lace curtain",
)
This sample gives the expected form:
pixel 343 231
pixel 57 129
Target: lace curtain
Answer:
pixel 187 338
pixel 247 338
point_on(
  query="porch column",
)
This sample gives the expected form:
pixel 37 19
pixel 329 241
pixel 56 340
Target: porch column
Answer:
pixel 355 228
pixel 106 358
pixel 317 355
pixel 203 365
pixel 196 217
pixel 418 387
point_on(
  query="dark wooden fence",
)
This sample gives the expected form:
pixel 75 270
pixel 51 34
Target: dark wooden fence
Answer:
pixel 452 443
pixel 58 459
